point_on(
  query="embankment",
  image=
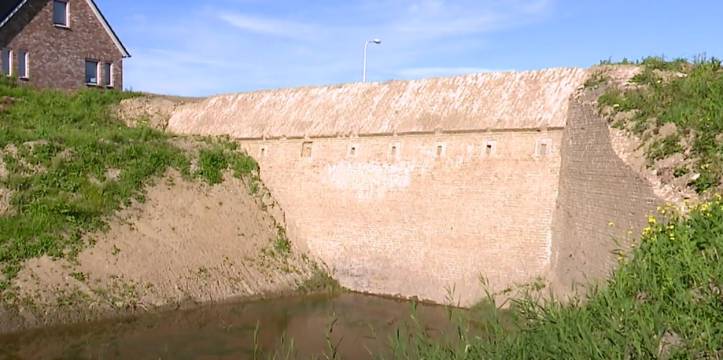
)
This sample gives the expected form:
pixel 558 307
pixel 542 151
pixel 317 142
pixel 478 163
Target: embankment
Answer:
pixel 187 243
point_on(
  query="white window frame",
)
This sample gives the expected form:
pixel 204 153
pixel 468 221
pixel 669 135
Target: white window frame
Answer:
pixel 97 72
pixel 67 14
pixel 110 83
pixel 26 74
pixel 11 55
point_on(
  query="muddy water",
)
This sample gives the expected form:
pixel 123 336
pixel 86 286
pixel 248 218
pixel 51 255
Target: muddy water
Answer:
pixel 361 325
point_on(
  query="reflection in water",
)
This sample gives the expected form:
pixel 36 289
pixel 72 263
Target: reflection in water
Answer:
pixel 361 325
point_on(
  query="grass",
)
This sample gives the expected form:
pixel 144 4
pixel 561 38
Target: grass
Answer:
pixel 665 301
pixel 688 94
pixel 222 156
pixel 71 164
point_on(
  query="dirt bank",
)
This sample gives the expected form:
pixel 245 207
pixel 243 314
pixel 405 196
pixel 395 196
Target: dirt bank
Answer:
pixel 187 243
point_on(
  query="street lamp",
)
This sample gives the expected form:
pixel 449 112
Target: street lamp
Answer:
pixel 366 45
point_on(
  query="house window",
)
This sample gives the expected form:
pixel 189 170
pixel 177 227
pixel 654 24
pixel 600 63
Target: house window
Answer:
pixel 7 59
pixel 108 74
pixel 91 72
pixel 23 64
pixel 60 12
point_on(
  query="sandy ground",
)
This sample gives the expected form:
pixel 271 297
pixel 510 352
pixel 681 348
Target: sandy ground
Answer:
pixel 188 243
pixel 151 110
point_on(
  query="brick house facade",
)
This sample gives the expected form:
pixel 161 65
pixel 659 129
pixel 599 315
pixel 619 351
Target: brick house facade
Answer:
pixel 64 44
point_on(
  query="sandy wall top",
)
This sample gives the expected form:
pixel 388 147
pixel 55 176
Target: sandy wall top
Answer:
pixel 510 100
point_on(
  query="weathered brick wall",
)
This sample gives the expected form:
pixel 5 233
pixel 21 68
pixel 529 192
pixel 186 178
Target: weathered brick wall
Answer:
pixel 415 223
pixel 57 55
pixel 603 203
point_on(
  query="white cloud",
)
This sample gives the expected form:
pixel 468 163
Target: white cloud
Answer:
pixel 270 26
pixel 222 50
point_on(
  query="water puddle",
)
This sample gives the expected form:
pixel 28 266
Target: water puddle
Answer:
pixel 362 325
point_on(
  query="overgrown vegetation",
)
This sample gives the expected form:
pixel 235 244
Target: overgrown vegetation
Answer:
pixel 666 301
pixel 686 94
pixel 221 156
pixel 70 164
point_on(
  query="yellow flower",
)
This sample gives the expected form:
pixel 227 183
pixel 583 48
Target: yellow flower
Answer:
pixel 647 231
pixel 652 220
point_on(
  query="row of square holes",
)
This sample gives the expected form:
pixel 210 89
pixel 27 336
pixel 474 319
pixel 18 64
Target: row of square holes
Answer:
pixel 489 149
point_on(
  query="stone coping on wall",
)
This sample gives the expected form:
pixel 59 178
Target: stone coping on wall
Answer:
pixel 486 101
pixel 409 133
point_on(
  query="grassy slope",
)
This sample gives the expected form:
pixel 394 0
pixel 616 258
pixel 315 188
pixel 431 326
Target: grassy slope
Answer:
pixel 666 300
pixel 692 99
pixel 73 165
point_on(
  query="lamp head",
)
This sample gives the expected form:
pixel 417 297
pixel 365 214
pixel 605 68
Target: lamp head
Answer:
pixel 376 41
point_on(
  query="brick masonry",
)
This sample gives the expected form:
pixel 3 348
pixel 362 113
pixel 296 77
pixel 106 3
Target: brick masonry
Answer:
pixel 603 203
pixel 57 55
pixel 420 215
pixel 391 185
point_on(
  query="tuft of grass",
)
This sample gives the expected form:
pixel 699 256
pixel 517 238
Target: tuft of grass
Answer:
pixel 596 80
pixel 221 156
pixel 662 148
pixel 687 94
pixel 665 301
pixel 282 245
pixel 59 150
pixel 320 282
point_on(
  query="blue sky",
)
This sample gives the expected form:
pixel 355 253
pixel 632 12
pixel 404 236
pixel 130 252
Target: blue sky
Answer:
pixel 191 47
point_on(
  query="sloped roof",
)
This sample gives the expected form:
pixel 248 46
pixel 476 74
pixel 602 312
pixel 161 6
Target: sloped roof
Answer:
pixel 509 100
pixel 8 8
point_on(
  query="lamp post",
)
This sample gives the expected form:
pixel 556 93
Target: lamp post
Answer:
pixel 366 46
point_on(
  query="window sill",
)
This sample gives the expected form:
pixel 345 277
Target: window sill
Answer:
pixel 91 84
pixel 61 26
pixel 24 78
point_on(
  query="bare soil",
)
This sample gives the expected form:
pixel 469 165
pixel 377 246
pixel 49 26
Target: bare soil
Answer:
pixel 187 244
pixel 150 110
pixel 5 194
pixel 631 149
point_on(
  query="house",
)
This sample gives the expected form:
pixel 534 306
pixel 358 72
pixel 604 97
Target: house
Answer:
pixel 64 44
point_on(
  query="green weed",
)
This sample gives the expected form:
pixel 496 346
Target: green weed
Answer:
pixel 665 301
pixel 687 94
pixel 59 149
pixel 221 157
